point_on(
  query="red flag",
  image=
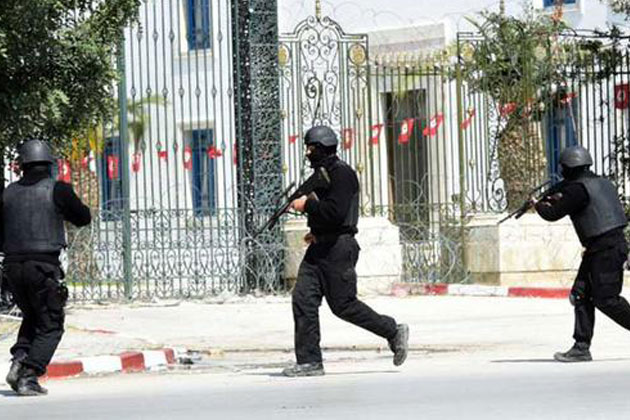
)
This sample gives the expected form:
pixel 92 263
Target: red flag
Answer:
pixel 188 158
pixel 622 96
pixel 567 98
pixel 162 154
pixel 434 124
pixel 406 127
pixel 65 174
pixel 112 167
pixel 214 153
pixel 15 167
pixel 88 162
pixel 235 153
pixel 293 138
pixel 135 162
pixel 375 133
pixel 507 109
pixel 348 138
pixel 466 123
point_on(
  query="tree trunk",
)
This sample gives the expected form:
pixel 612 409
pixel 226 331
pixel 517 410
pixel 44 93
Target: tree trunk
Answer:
pixel 522 160
pixel 81 266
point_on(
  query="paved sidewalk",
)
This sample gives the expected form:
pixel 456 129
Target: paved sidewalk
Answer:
pixel 469 326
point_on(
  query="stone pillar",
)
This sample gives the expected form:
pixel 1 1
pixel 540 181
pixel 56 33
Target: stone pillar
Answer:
pixel 257 120
pixel 524 252
pixel 380 259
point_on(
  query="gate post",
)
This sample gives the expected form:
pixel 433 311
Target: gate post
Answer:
pixel 257 124
pixel 462 157
pixel 124 163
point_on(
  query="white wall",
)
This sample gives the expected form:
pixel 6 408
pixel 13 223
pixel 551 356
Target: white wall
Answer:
pixel 370 15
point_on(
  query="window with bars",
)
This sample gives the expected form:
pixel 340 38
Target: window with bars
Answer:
pixel 198 24
pixel 550 3
pixel 560 125
pixel 203 173
pixel 111 180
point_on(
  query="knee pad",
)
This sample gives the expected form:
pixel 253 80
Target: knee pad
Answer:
pixel 576 299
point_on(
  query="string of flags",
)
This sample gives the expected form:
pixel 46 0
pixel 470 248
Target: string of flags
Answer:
pixel 429 128
pixel 622 96
pixel 111 162
pixel 64 173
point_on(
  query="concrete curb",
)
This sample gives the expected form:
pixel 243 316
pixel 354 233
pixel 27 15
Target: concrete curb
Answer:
pixel 440 289
pixel 135 361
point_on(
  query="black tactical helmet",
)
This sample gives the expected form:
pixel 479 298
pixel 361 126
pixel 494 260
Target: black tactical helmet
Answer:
pixel 32 151
pixel 575 156
pixel 322 135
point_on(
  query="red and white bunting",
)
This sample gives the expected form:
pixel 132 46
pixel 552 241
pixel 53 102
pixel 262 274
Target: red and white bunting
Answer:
pixel 112 167
pixel 375 133
pixel 14 166
pixel 214 153
pixel 64 172
pixel 434 124
pixel 622 96
pixel 507 109
pixel 468 121
pixel 406 128
pixel 88 162
pixel 188 158
pixel 347 134
pixel 568 98
pixel 136 160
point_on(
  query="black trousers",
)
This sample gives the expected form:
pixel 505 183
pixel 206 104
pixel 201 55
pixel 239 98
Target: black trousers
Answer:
pixel 598 285
pixel 35 287
pixel 328 271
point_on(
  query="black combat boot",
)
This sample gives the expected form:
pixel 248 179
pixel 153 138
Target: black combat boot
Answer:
pixel 578 353
pixel 304 369
pixel 13 375
pixel 400 344
pixel 28 385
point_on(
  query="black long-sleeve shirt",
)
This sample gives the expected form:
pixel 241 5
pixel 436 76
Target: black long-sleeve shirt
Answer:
pixel 66 201
pixel 327 215
pixel 571 198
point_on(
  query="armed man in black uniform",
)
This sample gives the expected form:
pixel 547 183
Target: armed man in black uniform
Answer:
pixel 598 217
pixel 33 211
pixel 328 268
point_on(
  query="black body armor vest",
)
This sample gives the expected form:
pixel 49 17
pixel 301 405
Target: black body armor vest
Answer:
pixel 32 224
pixel 603 211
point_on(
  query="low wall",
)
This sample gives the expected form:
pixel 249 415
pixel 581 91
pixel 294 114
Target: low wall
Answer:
pixel 380 259
pixel 524 252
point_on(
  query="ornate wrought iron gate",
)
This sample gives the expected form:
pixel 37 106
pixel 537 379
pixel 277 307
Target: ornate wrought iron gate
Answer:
pixel 175 179
pixel 178 193
pixel 328 77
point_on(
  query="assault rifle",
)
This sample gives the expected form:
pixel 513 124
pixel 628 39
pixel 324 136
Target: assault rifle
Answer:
pixel 535 192
pixel 319 179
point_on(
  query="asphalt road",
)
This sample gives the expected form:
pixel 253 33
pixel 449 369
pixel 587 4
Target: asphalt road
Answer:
pixel 455 386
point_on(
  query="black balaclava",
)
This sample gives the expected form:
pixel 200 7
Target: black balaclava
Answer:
pixel 320 154
pixel 574 173
pixel 37 169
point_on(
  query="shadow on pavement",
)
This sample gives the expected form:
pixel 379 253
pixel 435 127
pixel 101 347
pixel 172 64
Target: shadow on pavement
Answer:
pixel 358 372
pixel 7 393
pixel 551 360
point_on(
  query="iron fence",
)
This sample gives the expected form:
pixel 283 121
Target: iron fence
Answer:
pixel 165 182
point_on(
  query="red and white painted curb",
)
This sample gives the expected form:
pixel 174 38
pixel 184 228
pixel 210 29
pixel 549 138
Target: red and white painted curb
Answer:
pixel 441 289
pixel 133 361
